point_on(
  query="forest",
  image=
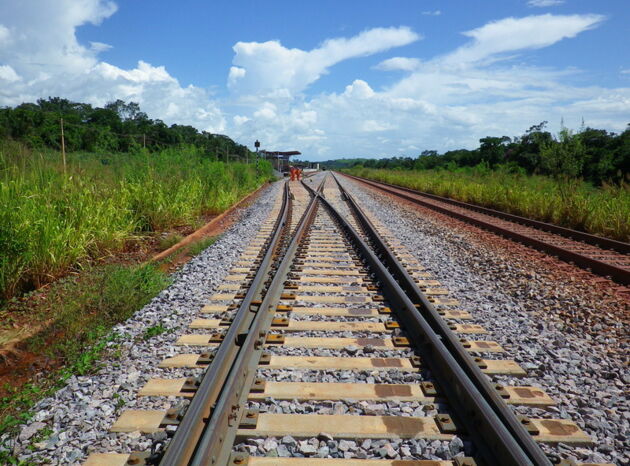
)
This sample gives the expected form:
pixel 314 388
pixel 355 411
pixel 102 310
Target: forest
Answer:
pixel 594 155
pixel 116 127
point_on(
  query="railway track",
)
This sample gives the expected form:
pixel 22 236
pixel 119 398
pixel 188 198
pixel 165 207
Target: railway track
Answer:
pixel 328 334
pixel 600 255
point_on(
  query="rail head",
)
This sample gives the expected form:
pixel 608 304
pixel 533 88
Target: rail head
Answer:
pixel 588 238
pixel 184 442
pixel 619 274
pixel 215 444
pixel 492 420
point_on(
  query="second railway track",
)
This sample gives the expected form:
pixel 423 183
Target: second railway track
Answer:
pixel 329 335
pixel 602 256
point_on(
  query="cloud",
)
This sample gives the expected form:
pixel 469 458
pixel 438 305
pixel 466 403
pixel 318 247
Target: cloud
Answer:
pixel 40 56
pixel 268 66
pixel 444 103
pixel 99 47
pixel 267 111
pixel 398 63
pixel 8 74
pixel 516 34
pixel 4 35
pixel 235 74
pixel 432 13
pixel 42 33
pixel 240 119
pixel 544 3
pixel 370 126
pixel 143 73
pixel 359 89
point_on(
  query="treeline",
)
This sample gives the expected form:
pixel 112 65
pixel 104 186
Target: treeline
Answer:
pixel 595 155
pixel 116 127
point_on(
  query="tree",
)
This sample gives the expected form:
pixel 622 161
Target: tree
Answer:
pixel 127 112
pixel 492 149
pixel 563 158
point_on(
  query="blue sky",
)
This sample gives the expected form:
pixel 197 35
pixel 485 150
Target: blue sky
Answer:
pixel 330 78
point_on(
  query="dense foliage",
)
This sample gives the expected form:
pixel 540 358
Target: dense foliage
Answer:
pixel 571 203
pixel 595 155
pixel 53 218
pixel 116 127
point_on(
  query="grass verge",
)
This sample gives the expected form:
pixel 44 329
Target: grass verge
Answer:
pixel 86 307
pixel 198 247
pixel 54 219
pixel 570 203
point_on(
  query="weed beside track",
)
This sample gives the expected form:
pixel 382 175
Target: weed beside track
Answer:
pixel 83 310
pixel 52 220
pixel 571 203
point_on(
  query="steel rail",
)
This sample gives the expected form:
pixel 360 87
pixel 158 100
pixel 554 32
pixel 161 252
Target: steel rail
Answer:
pixel 220 420
pixel 514 430
pixel 588 238
pixel 495 443
pixel 184 442
pixel 599 267
pixel 215 444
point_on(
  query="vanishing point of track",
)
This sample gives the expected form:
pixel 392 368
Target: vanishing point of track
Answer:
pixel 326 289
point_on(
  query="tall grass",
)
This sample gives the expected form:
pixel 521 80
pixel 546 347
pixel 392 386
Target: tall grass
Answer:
pixel 51 220
pixel 570 203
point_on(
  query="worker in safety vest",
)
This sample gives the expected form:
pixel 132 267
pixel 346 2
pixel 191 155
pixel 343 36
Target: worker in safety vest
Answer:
pixel 292 171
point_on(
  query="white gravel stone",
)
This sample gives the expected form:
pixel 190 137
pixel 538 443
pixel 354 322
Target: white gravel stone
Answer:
pixel 518 305
pixel 82 412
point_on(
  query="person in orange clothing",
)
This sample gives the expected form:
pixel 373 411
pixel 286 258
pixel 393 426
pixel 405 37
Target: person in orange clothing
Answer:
pixel 292 171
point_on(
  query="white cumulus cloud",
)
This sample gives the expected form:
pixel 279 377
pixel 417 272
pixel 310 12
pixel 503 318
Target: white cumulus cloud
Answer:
pixel 4 35
pixel 99 47
pixel 359 89
pixel 269 66
pixel 266 112
pixel 453 100
pixel 8 74
pixel 40 56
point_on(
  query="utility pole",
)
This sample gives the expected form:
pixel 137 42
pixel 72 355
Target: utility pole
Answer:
pixel 63 147
pixel 257 145
pixel 144 141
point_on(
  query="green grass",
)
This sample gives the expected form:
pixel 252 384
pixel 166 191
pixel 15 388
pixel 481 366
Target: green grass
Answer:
pixel 154 331
pixel 85 309
pixel 169 240
pixel 198 247
pixel 571 203
pixel 51 221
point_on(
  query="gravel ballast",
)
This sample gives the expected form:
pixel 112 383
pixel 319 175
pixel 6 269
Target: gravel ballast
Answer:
pixel 523 304
pixel 506 292
pixel 81 413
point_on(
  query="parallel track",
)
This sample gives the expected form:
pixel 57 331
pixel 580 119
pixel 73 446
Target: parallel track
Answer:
pixel 337 272
pixel 602 256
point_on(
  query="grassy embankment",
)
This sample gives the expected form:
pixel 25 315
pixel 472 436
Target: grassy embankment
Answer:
pixel 571 203
pixel 79 225
pixel 51 221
